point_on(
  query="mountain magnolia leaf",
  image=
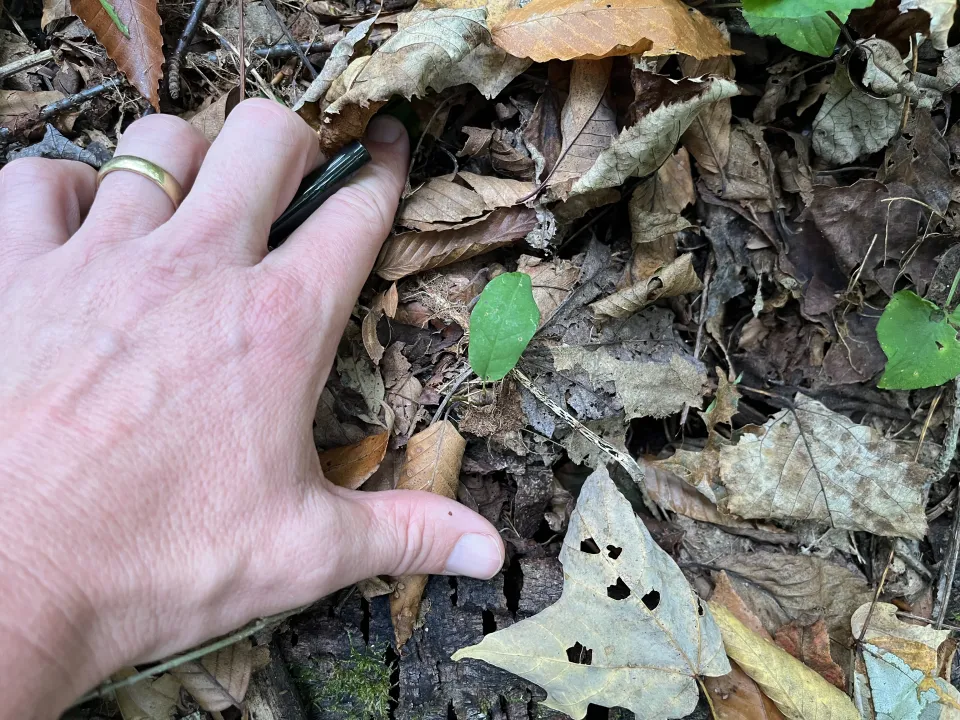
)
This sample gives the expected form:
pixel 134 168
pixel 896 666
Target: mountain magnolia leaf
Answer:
pixel 799 692
pixel 627 631
pixel 920 342
pixel 801 24
pixel 432 464
pixel 413 252
pixel 644 146
pixel 811 463
pixel 220 679
pixel 502 324
pixel 139 55
pixel 546 30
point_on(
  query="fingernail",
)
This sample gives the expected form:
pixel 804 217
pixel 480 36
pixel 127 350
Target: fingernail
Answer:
pixel 384 129
pixel 476 556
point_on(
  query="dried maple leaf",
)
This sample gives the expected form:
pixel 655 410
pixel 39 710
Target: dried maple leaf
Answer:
pixel 351 465
pixel 413 252
pixel 810 463
pixel 592 29
pixel 139 56
pixel 645 638
pixel 220 679
pixel 432 464
pixel 799 692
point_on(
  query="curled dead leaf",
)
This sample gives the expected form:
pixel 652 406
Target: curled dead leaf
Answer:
pixel 677 278
pixel 432 464
pixel 413 252
pixel 350 466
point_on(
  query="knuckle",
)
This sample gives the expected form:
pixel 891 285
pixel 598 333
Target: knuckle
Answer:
pixel 162 127
pixel 363 211
pixel 30 170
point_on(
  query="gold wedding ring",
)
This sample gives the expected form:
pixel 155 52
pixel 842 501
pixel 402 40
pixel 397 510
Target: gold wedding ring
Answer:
pixel 152 172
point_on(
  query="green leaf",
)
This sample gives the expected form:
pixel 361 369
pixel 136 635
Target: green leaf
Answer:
pixel 502 325
pixel 801 24
pixel 920 342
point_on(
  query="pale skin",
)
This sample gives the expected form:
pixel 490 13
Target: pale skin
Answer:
pixel 159 374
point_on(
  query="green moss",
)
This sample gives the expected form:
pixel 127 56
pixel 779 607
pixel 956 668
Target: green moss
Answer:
pixel 357 688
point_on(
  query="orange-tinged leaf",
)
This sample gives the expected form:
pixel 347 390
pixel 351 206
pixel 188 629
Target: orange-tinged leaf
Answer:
pixel 810 644
pixel 736 697
pixel 592 29
pixel 433 465
pixel 412 252
pixel 349 466
pixel 139 56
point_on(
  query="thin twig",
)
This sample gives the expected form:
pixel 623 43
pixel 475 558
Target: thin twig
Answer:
pixel 242 54
pixel 446 398
pixel 68 103
pixel 245 632
pixel 173 78
pixel 948 568
pixel 281 51
pixel 866 620
pixel 253 71
pixel 25 63
pixel 289 36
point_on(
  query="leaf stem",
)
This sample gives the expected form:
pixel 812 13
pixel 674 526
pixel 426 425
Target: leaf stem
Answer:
pixel 713 710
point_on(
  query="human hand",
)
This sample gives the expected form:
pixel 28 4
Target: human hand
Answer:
pixel 159 374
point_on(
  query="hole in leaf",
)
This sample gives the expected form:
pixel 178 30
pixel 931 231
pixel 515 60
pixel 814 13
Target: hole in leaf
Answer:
pixel 699 608
pixel 580 655
pixel 613 551
pixel 597 712
pixel 939 345
pixel 618 591
pixel 589 546
pixel 651 600
pixel 489 622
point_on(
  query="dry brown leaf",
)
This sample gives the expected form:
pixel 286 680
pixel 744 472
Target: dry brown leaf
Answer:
pixel 552 282
pixel 439 200
pixel 798 691
pixel 592 29
pixel 542 133
pixel 54 10
pixel 509 156
pixel 496 9
pixel 497 192
pixel 432 465
pixel 810 644
pixel 220 679
pixel 749 176
pixel 384 303
pixel 337 62
pixel 149 699
pixel 674 489
pixel 818 465
pixel 402 391
pixel 139 56
pixel 413 252
pixel 478 141
pixel 588 123
pixel 726 594
pixel 209 120
pixel 350 466
pixel 708 137
pixel 20 109
pixel 677 278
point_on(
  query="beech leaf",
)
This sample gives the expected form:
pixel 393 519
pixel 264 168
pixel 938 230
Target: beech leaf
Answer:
pixel 413 252
pixel 812 464
pixel 432 464
pixel 799 692
pixel 592 29
pixel 138 55
pixel 351 465
pixel 644 146
pixel 645 638
pixel 502 324
pixel 440 200
pixel 220 679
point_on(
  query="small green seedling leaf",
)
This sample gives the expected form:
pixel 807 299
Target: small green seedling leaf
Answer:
pixel 112 13
pixel 920 342
pixel 801 24
pixel 502 324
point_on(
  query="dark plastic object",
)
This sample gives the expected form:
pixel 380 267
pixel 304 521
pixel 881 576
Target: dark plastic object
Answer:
pixel 317 187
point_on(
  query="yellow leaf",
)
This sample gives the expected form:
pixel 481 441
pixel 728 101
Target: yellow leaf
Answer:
pixel 799 692
pixel 593 29
pixel 351 465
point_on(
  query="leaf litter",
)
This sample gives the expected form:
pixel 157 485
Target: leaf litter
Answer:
pixel 673 279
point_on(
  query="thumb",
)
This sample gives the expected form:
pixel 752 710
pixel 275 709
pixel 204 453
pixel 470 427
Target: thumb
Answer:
pixel 406 532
